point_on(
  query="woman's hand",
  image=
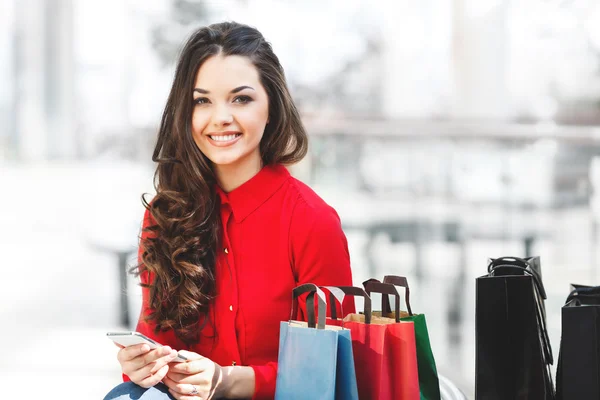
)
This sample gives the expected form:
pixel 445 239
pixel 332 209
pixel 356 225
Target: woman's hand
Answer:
pixel 143 366
pixel 198 378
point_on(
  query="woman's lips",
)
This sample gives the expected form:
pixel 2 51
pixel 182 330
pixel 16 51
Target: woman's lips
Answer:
pixel 224 140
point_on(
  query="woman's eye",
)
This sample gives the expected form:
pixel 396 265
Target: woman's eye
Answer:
pixel 242 99
pixel 201 100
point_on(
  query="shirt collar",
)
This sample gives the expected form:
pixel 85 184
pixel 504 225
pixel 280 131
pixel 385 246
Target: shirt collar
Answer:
pixel 252 194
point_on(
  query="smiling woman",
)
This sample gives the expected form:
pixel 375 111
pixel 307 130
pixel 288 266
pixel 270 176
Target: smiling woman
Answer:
pixel 229 230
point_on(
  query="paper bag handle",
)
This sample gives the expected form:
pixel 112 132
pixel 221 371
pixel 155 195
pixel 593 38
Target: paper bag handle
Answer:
pixel 374 286
pixel 583 295
pixel 397 281
pixel 524 266
pixel 311 289
pixel 338 293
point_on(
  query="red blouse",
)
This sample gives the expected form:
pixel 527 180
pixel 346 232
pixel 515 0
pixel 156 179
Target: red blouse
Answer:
pixel 279 234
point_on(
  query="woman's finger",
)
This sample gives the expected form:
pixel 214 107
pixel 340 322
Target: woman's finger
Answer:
pixel 151 356
pixel 179 396
pixel 131 366
pixel 192 367
pixel 130 352
pixel 155 378
pixel 182 378
pixel 176 376
pixel 170 383
pixel 154 366
pixel 190 355
pixel 181 388
pixel 161 362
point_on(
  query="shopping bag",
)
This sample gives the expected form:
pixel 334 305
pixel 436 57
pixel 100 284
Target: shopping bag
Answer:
pixel 404 366
pixel 429 384
pixel 578 370
pixel 365 381
pixel 314 360
pixel 346 385
pixel 384 351
pixel 513 353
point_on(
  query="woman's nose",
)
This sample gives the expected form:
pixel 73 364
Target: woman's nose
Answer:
pixel 222 116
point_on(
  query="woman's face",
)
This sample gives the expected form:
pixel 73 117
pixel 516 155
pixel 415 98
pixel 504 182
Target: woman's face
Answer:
pixel 231 110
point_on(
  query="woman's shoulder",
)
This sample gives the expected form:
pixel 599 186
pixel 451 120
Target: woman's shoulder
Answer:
pixel 308 207
pixel 306 196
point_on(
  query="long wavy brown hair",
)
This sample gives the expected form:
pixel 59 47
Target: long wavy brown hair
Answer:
pixel 180 249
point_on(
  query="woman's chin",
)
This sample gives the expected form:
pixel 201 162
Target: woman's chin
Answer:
pixel 225 161
pixel 235 159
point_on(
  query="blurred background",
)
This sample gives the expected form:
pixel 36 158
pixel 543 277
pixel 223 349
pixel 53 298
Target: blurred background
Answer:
pixel 444 132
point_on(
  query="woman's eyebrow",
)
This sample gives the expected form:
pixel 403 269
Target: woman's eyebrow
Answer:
pixel 240 88
pixel 237 89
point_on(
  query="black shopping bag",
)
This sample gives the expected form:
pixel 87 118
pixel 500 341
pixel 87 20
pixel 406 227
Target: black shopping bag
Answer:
pixel 578 372
pixel 513 353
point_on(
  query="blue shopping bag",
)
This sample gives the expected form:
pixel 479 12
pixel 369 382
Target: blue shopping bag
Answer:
pixel 346 385
pixel 315 360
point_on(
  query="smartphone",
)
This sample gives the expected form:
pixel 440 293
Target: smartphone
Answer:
pixel 130 338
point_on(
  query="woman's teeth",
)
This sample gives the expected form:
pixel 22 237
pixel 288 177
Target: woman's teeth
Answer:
pixel 224 138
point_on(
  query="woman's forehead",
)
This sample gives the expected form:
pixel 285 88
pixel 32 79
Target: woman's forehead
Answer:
pixel 226 72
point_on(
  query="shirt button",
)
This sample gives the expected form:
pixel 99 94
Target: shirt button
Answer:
pixel 225 250
pixel 231 308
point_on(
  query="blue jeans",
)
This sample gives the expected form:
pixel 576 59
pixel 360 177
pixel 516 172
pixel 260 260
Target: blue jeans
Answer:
pixel 131 391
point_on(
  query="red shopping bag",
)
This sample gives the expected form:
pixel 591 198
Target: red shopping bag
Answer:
pixel 385 356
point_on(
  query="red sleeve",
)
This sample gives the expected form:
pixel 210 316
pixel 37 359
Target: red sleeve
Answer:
pixel 143 327
pixel 319 255
pixel 265 377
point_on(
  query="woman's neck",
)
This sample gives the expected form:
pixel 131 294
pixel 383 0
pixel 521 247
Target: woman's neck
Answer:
pixel 232 176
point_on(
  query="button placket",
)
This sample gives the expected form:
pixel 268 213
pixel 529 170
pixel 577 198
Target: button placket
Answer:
pixel 226 251
pixel 233 295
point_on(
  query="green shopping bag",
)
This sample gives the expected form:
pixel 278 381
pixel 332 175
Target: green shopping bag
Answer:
pixel 429 383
